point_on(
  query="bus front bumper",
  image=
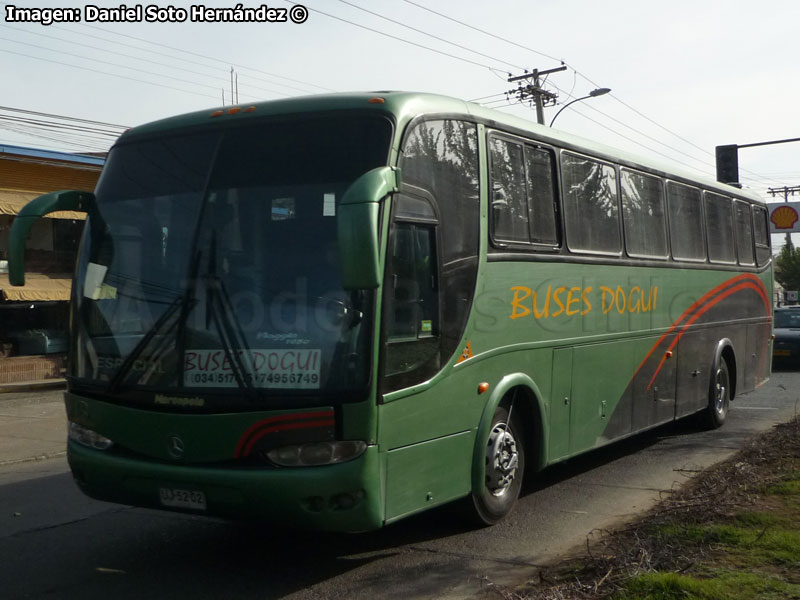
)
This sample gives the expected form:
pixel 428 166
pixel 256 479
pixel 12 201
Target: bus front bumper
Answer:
pixel 341 497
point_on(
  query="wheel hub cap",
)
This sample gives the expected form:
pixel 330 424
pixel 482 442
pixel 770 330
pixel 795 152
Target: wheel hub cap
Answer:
pixel 501 460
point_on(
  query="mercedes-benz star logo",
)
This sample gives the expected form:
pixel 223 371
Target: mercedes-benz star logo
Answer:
pixel 175 447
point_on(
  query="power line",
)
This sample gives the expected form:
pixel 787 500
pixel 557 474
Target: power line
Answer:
pixel 56 62
pixel 62 117
pixel 111 64
pixel 59 126
pixel 215 59
pixel 394 37
pixel 430 35
pixel 430 10
pixel 53 138
pixel 577 73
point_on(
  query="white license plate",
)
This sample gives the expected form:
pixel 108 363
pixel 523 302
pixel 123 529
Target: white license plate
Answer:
pixel 178 498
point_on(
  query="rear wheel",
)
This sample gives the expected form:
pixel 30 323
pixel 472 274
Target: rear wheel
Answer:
pixel 505 464
pixel 719 396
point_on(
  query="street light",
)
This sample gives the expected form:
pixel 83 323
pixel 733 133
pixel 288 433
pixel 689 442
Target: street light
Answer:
pixel 593 94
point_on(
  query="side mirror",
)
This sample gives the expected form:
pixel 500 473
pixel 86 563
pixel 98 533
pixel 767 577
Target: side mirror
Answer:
pixel 357 227
pixel 33 210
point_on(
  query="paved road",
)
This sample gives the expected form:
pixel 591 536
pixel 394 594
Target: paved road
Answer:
pixel 55 543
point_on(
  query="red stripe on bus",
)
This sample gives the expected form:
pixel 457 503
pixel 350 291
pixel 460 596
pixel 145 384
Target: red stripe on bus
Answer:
pixel 277 419
pixel 696 310
pixel 285 427
pixel 699 303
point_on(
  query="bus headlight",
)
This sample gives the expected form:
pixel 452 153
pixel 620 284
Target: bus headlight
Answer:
pixel 316 454
pixel 87 437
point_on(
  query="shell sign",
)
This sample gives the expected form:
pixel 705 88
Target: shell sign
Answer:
pixel 784 217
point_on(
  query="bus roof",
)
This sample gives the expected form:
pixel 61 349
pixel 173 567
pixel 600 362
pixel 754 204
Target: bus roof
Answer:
pixel 405 106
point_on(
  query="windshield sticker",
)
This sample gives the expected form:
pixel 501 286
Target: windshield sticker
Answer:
pixel 282 209
pixel 290 369
pixel 329 205
pixel 93 286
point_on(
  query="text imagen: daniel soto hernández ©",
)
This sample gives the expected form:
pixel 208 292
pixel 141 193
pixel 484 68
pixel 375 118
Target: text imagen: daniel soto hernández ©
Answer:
pixel 153 13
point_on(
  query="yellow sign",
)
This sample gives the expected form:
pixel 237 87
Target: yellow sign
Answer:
pixel 466 354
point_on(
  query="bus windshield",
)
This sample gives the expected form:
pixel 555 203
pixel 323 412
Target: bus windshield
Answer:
pixel 210 264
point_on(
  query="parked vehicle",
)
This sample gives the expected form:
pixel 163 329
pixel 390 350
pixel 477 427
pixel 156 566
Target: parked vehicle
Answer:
pixel 786 349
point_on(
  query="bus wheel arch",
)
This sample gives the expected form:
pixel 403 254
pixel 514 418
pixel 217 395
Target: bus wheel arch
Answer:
pixel 509 441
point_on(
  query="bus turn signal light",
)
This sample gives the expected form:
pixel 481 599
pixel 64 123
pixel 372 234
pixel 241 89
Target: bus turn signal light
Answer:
pixel 484 387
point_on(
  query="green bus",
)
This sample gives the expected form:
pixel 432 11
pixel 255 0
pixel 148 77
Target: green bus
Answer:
pixel 337 311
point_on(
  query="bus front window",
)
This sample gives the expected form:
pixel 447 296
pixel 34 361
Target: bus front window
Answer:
pixel 211 263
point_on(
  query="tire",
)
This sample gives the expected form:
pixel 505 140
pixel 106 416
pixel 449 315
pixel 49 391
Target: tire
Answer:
pixel 719 396
pixel 505 465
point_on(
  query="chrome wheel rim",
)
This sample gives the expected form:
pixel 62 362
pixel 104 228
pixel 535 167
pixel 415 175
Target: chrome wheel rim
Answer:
pixel 721 384
pixel 502 459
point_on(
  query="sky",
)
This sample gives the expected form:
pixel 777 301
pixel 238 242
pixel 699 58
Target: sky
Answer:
pixel 685 75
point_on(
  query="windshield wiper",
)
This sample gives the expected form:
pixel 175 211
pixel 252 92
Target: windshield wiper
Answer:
pixel 126 366
pixel 230 332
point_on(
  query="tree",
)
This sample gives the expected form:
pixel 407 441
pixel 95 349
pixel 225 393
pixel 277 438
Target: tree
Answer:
pixel 787 267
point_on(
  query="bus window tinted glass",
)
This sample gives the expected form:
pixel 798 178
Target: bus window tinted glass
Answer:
pixel 591 207
pixel 761 235
pixel 643 215
pixel 541 192
pixel 414 309
pixel 744 232
pixel 685 223
pixel 441 158
pixel 509 198
pixel 721 248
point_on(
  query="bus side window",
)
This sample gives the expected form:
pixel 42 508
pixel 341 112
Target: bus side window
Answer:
pixel 744 232
pixel 643 215
pixel 721 245
pixel 761 234
pixel 591 205
pixel 523 195
pixel 685 223
pixel 509 199
pixel 541 196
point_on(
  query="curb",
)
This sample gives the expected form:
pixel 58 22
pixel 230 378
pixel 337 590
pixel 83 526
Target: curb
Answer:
pixel 40 458
pixel 31 386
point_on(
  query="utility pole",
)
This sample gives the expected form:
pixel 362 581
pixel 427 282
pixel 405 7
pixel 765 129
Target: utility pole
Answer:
pixel 786 191
pixel 534 91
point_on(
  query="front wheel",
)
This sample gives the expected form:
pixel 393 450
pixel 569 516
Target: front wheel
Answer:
pixel 719 396
pixel 505 464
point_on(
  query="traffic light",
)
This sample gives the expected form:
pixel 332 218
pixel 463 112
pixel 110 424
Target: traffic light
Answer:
pixel 728 164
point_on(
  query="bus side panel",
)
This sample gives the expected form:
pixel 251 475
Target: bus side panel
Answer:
pixel 596 396
pixel 757 365
pixel 654 393
pixel 560 404
pixel 694 361
pixel 416 431
pixel 428 474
